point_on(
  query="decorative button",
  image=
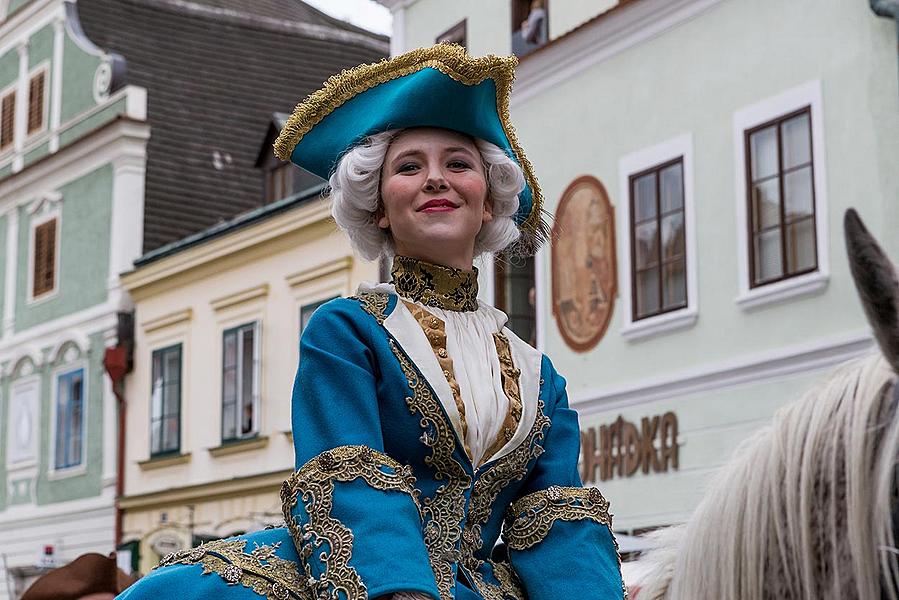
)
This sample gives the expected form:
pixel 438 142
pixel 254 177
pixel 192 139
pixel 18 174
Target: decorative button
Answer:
pixel 279 591
pixel 232 574
pixel 442 353
pixel 434 322
pixel 554 493
pixel 326 461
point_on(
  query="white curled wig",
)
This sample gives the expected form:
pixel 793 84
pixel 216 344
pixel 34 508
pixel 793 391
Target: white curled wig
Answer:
pixel 355 197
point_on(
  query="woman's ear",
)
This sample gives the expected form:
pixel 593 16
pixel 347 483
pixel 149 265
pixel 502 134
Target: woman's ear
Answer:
pixel 381 219
pixel 488 210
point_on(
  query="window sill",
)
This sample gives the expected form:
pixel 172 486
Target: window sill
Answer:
pixel 57 474
pixel 163 461
pixel 235 446
pixel 664 323
pixel 795 287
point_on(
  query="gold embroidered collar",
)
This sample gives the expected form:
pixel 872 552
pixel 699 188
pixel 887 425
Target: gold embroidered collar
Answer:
pixel 435 285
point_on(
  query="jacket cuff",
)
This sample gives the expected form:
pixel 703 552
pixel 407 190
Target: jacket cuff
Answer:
pixel 308 499
pixel 529 520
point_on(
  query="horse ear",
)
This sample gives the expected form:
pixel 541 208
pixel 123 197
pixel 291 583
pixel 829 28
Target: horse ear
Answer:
pixel 877 285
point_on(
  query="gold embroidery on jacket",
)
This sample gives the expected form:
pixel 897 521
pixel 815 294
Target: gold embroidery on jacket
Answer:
pixel 443 513
pixel 512 467
pixel 509 375
pixel 529 520
pixel 374 303
pixel 435 285
pixel 260 570
pixel 435 330
pixel 314 484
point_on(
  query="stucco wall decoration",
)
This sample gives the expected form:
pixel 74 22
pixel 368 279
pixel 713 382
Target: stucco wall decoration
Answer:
pixel 584 274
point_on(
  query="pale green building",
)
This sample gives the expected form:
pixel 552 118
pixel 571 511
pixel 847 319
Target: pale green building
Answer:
pixel 729 137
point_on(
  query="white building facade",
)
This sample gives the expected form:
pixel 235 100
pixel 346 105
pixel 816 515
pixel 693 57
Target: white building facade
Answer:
pixel 729 138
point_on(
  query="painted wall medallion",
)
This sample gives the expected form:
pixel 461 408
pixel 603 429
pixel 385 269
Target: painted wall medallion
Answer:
pixel 584 273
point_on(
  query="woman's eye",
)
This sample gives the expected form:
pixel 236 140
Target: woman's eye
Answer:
pixel 459 164
pixel 405 167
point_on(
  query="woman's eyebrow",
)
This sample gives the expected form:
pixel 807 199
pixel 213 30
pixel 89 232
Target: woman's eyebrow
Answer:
pixel 406 153
pixel 452 149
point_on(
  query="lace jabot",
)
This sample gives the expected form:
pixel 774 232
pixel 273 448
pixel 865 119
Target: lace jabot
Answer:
pixel 443 287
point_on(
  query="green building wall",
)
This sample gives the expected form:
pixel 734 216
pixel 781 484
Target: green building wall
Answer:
pixel 78 70
pixel 86 212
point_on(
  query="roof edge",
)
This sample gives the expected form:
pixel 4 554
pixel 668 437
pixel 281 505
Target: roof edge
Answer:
pixel 372 40
pixel 238 222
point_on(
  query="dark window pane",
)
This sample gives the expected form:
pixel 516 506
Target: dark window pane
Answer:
pixel 647 292
pixel 766 204
pixel 644 197
pixel 796 141
pixel 801 246
pixel 763 153
pixel 673 235
pixel 674 283
pixel 768 256
pixel 672 184
pixel 647 249
pixel 230 349
pixel 798 191
pixel 247 379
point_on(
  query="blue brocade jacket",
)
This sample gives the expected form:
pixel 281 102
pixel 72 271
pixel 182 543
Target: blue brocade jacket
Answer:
pixel 386 499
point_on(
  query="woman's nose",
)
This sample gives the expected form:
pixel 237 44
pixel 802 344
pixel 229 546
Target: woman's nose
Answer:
pixel 436 181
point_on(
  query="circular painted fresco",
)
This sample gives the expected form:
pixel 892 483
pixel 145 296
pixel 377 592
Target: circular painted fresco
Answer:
pixel 584 274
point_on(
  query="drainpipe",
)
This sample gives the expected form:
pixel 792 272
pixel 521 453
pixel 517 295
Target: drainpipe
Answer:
pixel 118 361
pixel 889 9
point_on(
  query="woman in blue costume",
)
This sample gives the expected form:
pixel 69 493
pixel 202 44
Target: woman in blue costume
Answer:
pixel 436 453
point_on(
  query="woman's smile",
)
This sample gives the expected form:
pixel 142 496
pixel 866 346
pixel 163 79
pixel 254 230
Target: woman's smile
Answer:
pixel 438 205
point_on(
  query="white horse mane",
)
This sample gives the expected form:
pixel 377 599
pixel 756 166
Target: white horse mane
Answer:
pixel 803 510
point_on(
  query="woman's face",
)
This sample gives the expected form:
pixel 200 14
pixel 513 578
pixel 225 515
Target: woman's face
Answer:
pixel 434 191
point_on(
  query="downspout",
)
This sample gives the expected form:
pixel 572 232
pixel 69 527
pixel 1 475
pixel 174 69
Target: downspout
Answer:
pixel 118 361
pixel 889 9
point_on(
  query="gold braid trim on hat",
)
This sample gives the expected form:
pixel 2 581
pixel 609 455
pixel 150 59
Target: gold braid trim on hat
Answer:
pixel 452 61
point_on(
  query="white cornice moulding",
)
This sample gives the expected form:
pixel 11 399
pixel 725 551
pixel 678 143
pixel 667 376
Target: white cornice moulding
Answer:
pixel 27 20
pixel 628 26
pixel 82 157
pixel 53 333
pixel 757 368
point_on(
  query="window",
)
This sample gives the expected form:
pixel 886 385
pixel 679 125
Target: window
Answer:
pixel 165 401
pixel 44 258
pixel 781 194
pixel 69 419
pixel 7 120
pixel 514 293
pixel 457 34
pixel 530 25
pixel 22 432
pixel 240 382
pixel 36 87
pixel 658 240
pixel 279 182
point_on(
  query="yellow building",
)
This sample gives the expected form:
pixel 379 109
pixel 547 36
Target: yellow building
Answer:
pixel 217 323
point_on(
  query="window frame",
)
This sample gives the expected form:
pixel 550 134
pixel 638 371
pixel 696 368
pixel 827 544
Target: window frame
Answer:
pixel 45 107
pixel 452 35
pixel 55 471
pixel 179 346
pixel 499 278
pixel 35 222
pixel 752 117
pixel 630 166
pixel 283 171
pixel 656 170
pixel 255 325
pixel 10 90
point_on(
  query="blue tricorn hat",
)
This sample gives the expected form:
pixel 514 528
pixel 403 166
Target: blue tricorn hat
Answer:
pixel 441 86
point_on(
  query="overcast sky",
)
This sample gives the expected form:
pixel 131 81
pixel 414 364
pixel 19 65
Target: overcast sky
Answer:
pixel 362 13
